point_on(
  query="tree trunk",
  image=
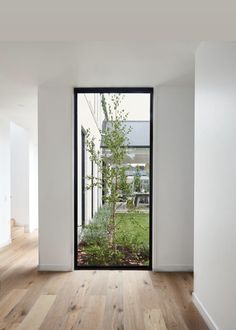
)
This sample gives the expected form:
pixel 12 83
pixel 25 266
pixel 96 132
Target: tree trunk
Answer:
pixel 113 225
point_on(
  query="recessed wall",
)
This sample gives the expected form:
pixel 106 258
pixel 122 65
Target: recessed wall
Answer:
pixel 5 228
pixel 19 175
pixel 173 186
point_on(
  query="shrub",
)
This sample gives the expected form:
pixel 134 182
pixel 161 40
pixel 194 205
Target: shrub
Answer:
pixel 102 255
pixel 130 204
pixel 143 250
pixel 131 242
pixel 96 232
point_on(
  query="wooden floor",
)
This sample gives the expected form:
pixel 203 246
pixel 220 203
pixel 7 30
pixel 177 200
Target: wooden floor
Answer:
pixel 90 299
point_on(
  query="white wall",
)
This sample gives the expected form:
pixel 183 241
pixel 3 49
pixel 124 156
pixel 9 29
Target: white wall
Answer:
pixel 173 178
pixel 173 186
pixel 215 183
pixel 19 175
pixel 55 177
pixel 5 228
pixel 33 186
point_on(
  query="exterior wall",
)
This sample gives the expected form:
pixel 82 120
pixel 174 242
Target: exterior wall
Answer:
pixel 215 184
pixel 5 215
pixel 173 168
pixel 89 116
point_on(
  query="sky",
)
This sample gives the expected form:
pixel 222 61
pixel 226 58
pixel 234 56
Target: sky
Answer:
pixel 137 105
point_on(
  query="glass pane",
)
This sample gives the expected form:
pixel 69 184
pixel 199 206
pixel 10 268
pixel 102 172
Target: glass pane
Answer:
pixel 114 180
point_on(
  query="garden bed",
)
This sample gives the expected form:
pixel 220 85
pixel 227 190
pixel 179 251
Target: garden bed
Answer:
pixel 131 246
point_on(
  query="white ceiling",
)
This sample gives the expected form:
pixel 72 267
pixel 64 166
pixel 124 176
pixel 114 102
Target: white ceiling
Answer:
pixel 24 66
pixel 76 20
pixel 102 43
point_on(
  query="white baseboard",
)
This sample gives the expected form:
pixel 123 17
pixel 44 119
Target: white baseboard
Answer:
pixel 173 268
pixel 5 243
pixel 55 268
pixel 205 315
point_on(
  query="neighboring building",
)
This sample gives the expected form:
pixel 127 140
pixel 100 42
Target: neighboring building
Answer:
pixel 138 152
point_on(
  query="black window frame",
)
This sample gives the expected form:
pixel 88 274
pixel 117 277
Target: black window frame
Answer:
pixel 83 178
pixel 101 90
pixel 92 189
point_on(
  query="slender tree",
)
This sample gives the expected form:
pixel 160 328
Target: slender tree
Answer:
pixel 110 161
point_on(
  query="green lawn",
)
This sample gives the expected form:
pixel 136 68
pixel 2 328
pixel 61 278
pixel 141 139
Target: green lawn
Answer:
pixel 133 229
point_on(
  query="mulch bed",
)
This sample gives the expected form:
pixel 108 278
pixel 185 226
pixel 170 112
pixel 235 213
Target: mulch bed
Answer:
pixel 130 259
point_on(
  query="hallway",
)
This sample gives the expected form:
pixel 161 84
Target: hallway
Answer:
pixel 90 299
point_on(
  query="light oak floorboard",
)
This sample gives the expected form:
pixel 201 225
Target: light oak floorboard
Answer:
pixel 96 300
pixel 153 320
pixel 8 303
pixel 38 312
